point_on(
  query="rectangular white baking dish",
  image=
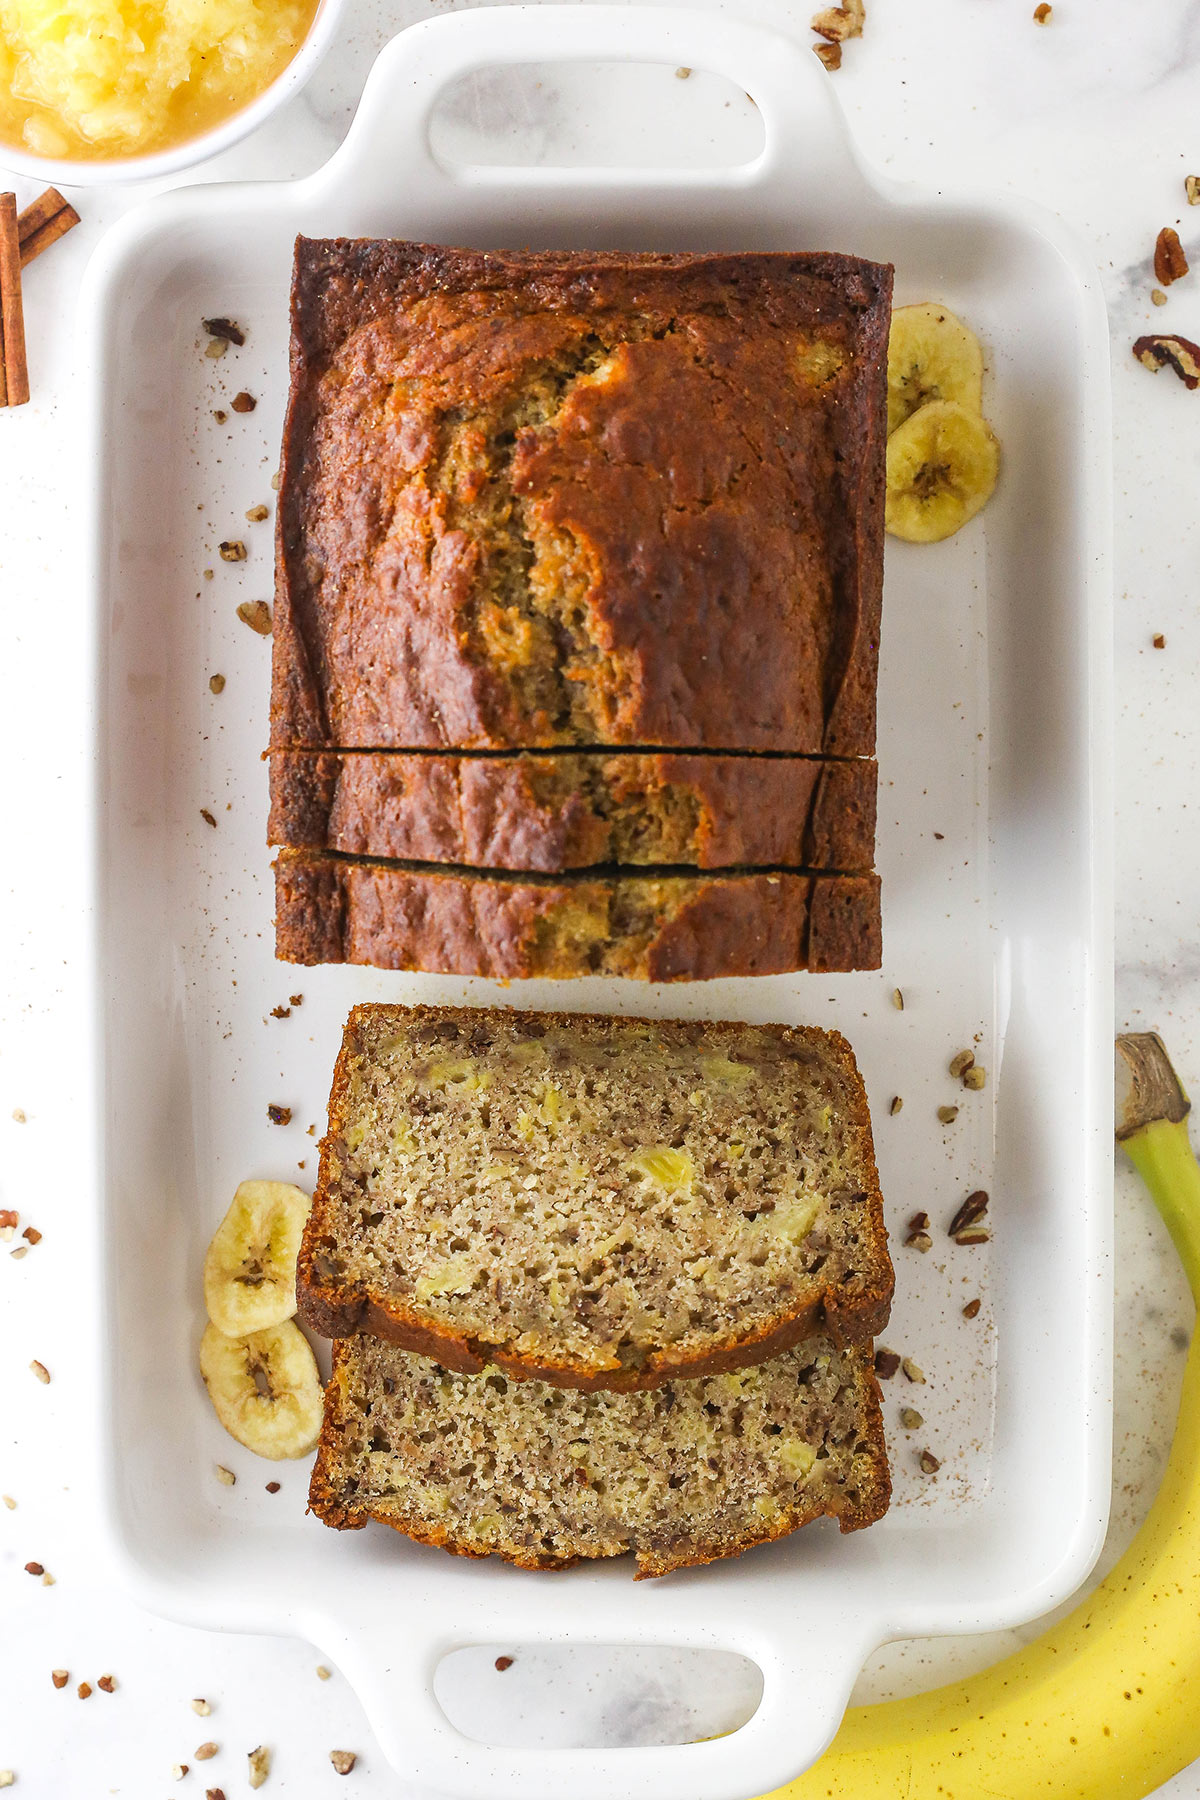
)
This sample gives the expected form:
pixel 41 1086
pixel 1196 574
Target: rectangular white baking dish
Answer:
pixel 994 850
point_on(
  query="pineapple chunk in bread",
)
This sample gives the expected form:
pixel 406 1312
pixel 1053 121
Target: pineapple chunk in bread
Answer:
pixel 600 1202
pixel 685 1473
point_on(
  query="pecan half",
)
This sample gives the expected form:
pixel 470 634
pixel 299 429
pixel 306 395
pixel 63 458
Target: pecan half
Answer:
pixel 1170 351
pixel 1170 263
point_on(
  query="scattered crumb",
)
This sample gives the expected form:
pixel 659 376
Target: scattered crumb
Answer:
pixel 34 1568
pixel 202 1707
pixel 682 74
pixel 84 1690
pixel 940 836
pixel 281 1012
pixel 232 550
pixel 1158 298
pixel 911 1420
pixel 208 575
pixel 301 1164
pixel 216 684
pixel 887 1362
pixel 1159 641
pixel 227 1478
pixel 504 1662
pixel 296 999
pixel 947 1114
pixel 1043 14
pixel 279 1115
pixel 272 1487
pixel 19 1115
pixel 275 482
pixel 207 817
pixel 971 1309
pixel 312 1131
pixel 205 1752
pixel 220 416
pixel 343 1760
pixel 257 615
pixel 928 1461
pixel 913 1372
pixel 243 402
pixel 60 1677
pixel 107 1684
pixel 257 514
pixel 41 1371
pixel 260 1765
pixel 323 1673
pixel 896 1106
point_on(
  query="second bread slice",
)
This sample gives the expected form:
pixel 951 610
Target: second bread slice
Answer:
pixel 598 1202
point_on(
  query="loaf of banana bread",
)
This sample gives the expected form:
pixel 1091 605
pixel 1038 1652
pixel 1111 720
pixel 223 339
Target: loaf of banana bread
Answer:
pixel 574 498
pixel 577 809
pixel 687 1473
pixel 648 926
pixel 595 1201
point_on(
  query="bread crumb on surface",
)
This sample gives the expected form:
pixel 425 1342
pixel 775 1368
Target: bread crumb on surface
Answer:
pixel 343 1760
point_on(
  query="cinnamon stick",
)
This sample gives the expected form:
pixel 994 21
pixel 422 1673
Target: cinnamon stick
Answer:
pixel 43 223
pixel 12 317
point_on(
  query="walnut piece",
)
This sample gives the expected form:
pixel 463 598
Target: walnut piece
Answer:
pixel 257 615
pixel 1191 185
pixel 830 55
pixel 1170 351
pixel 1170 263
pixel 837 23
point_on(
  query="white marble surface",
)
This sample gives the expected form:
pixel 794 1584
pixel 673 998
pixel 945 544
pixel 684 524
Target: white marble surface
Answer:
pixel 1095 116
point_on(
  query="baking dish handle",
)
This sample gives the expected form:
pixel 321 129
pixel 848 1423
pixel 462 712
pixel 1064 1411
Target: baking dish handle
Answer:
pixel 806 145
pixel 806 1684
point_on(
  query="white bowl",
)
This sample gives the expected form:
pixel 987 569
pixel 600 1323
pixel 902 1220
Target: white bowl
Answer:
pixel 65 171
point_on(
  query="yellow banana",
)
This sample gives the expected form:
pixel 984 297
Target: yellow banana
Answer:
pixel 1107 1702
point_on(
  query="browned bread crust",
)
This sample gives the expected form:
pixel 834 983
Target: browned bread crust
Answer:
pixel 647 926
pixel 340 1490
pixel 847 1311
pixel 572 811
pixel 575 498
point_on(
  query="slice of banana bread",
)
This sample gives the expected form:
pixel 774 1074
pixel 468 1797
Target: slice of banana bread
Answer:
pixel 531 499
pixel 596 1201
pixel 550 813
pixel 656 926
pixel 690 1472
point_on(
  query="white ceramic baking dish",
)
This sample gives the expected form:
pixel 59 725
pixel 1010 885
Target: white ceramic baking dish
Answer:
pixel 994 850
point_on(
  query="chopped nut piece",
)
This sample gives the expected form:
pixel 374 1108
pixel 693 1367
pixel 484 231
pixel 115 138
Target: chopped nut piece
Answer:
pixel 220 416
pixel 911 1420
pixel 886 1364
pixel 178 1771
pixel 972 1208
pixel 919 1222
pixel 84 1690
pixel 1191 186
pixel 205 1752
pixel 971 1309
pixel 216 347
pixel 20 1251
pixel 60 1677
pixel 1157 297
pixel 682 74
pixel 272 1487
pixel 1170 263
pixel 974 1234
pixel 975 1078
pixel 837 23
pixel 34 1236
pixel 279 1115
pixel 225 328
pixel 897 1000
pixel 214 1794
pixel 830 55
pixel 34 1568
pixel 257 615
pixel 918 1240
pixel 9 1502
pixel 961 1062
pixel 216 684
pixel 9 1220
pixel 260 1765
pixel 47 1580
pixel 41 1371
pixel 896 1106
pixel 912 1371
pixel 256 514
pixel 1159 641
pixel 232 550
pixel 243 402
pixel 947 1114
pixel 323 1673
pixel 343 1760
pixel 107 1684
pixel 1170 351
pixel 202 1707
pixel 504 1662
pixel 6 1778
pixel 207 817
pixel 18 1115
pixel 1043 14
pixel 929 1463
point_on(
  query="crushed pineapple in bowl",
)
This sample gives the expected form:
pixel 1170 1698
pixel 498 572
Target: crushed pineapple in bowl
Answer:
pixel 93 90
